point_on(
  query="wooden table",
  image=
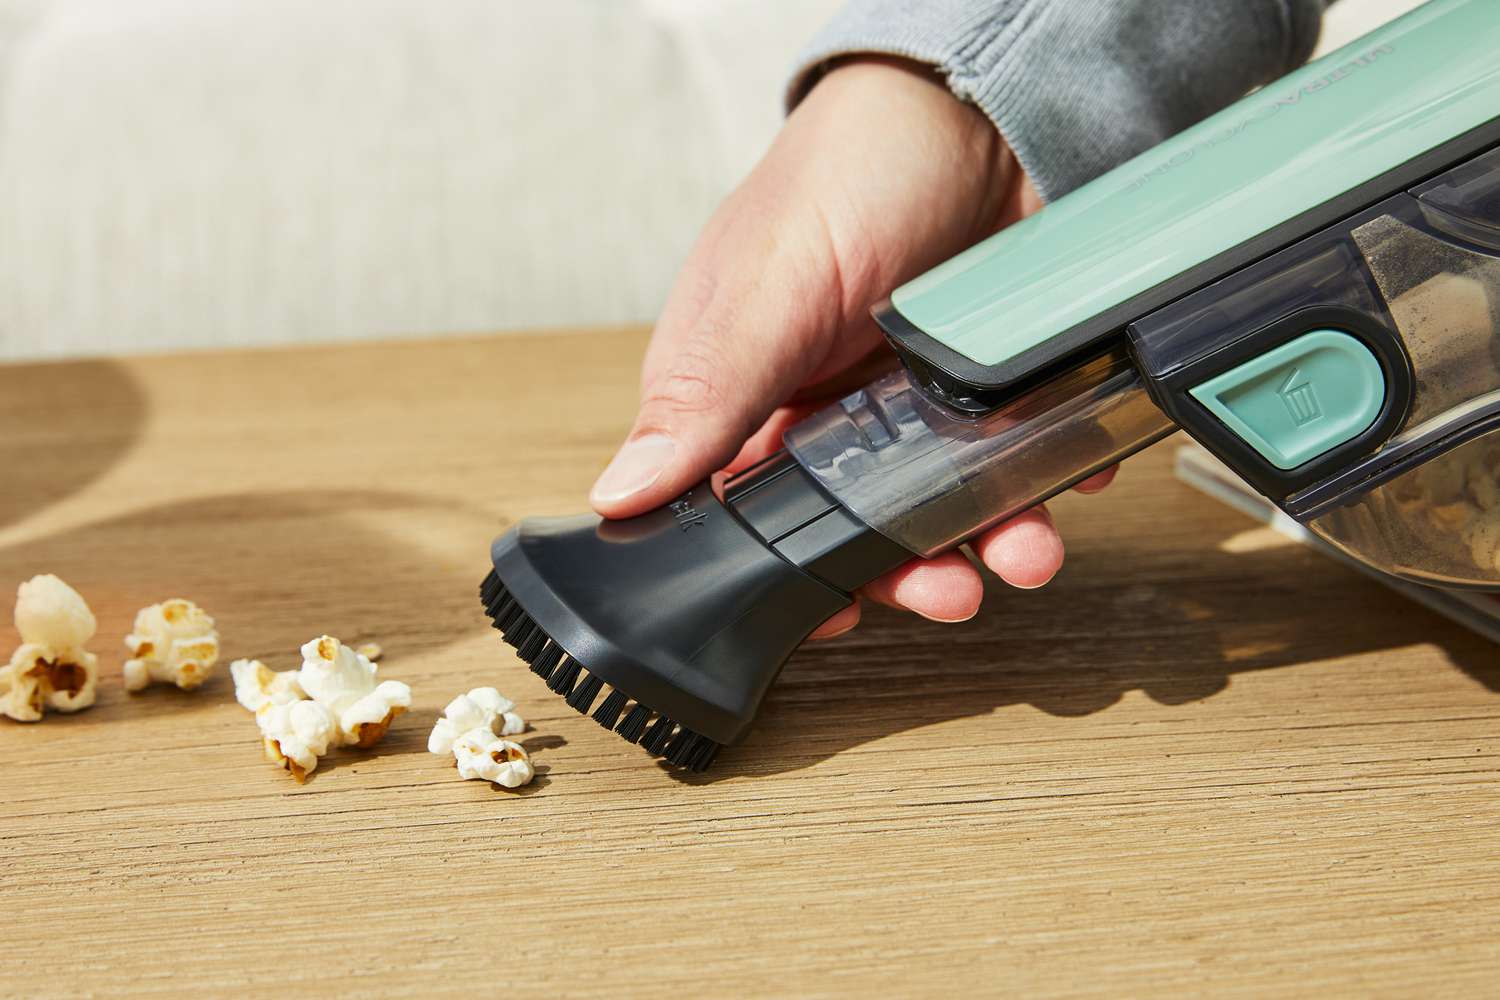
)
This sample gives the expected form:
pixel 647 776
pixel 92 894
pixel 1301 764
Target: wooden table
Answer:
pixel 1201 760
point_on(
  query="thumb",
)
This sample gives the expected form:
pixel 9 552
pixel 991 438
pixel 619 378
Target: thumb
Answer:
pixel 732 344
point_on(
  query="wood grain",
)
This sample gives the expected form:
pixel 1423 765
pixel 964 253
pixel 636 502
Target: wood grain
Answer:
pixel 1199 761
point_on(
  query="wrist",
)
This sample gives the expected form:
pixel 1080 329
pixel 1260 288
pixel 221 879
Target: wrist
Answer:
pixel 910 102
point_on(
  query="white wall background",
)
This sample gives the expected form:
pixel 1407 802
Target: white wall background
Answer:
pixel 190 173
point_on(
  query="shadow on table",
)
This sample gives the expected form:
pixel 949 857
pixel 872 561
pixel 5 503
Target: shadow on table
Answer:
pixel 94 413
pixel 1175 626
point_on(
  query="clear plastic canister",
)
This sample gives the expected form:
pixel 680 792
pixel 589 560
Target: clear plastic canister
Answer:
pixel 930 478
pixel 1436 523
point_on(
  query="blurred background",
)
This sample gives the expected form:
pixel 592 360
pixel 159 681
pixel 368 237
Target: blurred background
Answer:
pixel 194 173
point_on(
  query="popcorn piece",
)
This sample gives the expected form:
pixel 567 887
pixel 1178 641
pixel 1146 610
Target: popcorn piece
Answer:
pixel 38 678
pixel 51 613
pixel 51 669
pixel 480 754
pixel 295 734
pixel 256 684
pixel 343 681
pixel 294 731
pixel 1454 518
pixel 1481 476
pixel 482 708
pixel 371 651
pixel 173 642
pixel 1482 536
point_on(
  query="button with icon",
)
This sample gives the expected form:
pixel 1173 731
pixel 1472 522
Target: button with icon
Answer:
pixel 1301 399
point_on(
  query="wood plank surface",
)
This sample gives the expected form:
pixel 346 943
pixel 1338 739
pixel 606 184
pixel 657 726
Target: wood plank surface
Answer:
pixel 1200 761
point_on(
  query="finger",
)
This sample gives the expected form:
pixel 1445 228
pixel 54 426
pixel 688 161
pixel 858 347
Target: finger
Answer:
pixel 1025 551
pixel 807 401
pixel 842 621
pixel 1099 480
pixel 878 362
pixel 749 320
pixel 945 588
pixel 768 439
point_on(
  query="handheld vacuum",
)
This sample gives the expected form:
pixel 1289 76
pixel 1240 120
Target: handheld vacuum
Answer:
pixel 1308 283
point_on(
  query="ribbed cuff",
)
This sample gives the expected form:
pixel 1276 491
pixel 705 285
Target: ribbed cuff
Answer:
pixel 931 32
pixel 1077 87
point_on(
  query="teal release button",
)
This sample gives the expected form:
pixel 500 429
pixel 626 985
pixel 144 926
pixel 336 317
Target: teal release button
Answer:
pixel 1301 399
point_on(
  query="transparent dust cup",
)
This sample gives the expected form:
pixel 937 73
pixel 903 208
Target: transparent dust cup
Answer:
pixel 1438 523
pixel 1437 265
pixel 929 478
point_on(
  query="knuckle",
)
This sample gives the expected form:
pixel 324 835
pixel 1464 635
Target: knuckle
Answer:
pixel 695 381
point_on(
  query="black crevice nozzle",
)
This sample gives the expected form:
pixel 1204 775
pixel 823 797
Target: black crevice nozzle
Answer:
pixel 682 618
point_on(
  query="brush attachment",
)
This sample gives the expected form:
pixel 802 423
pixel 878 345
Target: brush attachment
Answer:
pixel 565 676
pixel 669 628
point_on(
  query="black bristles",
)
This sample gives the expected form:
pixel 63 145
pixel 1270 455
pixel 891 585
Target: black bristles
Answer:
pixel 512 618
pixel 490 588
pixel 504 611
pixel 531 650
pixel 691 750
pixel 563 677
pixel 608 712
pixel 544 664
pixel 678 744
pixel 519 631
pixel 655 740
pixel 582 698
pixel 677 748
pixel 704 755
pixel 498 603
pixel 634 724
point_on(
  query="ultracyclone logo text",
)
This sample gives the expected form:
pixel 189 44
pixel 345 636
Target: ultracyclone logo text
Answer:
pixel 1266 111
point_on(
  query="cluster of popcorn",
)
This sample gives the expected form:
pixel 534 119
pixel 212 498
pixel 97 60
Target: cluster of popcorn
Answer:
pixel 333 700
pixel 472 730
pixel 173 642
pixel 1455 500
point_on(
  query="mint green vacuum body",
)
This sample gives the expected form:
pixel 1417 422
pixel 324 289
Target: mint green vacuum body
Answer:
pixel 1308 283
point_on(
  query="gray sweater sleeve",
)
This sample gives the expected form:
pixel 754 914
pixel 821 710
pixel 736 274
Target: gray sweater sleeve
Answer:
pixel 1078 86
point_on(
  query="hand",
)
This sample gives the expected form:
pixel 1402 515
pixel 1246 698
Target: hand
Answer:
pixel 877 176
